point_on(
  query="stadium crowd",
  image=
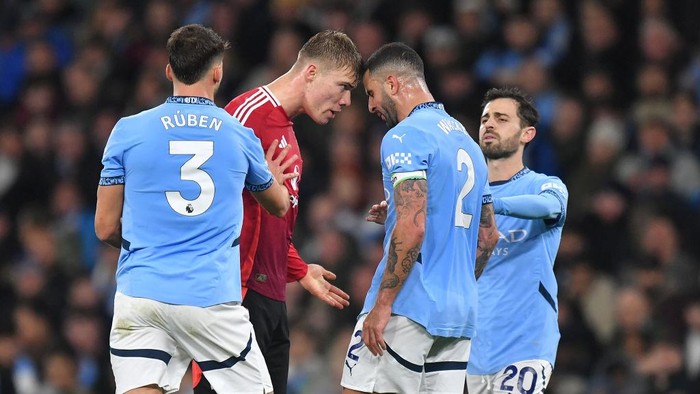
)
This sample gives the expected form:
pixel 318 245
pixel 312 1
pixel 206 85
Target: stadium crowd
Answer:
pixel 617 84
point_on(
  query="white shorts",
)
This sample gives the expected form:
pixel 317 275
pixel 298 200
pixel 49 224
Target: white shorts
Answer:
pixel 414 361
pixel 153 343
pixel 529 376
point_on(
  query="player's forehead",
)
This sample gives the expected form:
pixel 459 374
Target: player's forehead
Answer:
pixel 341 74
pixel 503 105
pixel 368 80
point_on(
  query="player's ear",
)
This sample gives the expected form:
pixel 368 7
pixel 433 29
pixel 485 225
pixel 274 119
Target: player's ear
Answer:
pixel 310 71
pixel 169 72
pixel 392 84
pixel 528 134
pixel 218 73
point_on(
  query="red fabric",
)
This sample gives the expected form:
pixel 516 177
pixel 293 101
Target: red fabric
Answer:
pixel 196 374
pixel 296 267
pixel 266 239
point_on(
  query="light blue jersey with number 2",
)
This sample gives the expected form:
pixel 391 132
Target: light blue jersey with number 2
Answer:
pixel 440 291
pixel 183 165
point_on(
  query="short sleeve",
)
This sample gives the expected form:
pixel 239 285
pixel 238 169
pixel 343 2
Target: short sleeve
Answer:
pixel 259 177
pixel 406 150
pixel 555 187
pixel 486 198
pixel 113 157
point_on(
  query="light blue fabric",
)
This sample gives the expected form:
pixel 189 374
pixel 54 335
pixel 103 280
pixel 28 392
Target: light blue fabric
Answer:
pixel 183 165
pixel 518 307
pixel 440 291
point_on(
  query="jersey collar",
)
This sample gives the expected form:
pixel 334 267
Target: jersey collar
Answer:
pixel 517 175
pixel 189 100
pixel 429 104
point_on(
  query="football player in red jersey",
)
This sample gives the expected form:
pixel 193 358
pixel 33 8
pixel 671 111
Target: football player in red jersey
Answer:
pixel 319 85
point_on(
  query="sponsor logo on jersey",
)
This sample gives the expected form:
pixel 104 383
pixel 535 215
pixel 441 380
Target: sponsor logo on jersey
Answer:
pixel 262 278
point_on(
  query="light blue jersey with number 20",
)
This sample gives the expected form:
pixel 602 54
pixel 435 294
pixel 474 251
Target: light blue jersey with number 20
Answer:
pixel 183 165
pixel 518 290
pixel 440 291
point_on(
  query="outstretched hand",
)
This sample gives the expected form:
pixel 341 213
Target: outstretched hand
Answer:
pixel 377 213
pixel 316 282
pixel 277 167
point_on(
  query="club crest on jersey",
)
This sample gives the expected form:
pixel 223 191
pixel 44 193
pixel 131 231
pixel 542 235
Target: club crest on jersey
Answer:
pixel 294 200
pixel 398 158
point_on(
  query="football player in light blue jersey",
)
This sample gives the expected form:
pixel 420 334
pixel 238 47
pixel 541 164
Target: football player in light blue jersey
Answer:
pixel 170 198
pixel 413 333
pixel 517 333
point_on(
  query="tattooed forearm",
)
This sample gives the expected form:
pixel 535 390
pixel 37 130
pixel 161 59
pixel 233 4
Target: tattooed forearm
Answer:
pixel 390 279
pixel 410 259
pixel 488 237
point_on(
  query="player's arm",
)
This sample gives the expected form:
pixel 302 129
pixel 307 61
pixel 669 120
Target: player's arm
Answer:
pixel 275 198
pixel 108 214
pixel 529 206
pixel 488 238
pixel 410 198
pixel 315 279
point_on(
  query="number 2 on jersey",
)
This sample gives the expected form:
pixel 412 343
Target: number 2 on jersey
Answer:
pixel 191 171
pixel 463 159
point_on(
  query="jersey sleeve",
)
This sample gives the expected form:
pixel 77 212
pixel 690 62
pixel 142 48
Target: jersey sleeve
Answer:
pixel 112 159
pixel 259 177
pixel 296 267
pixel 406 154
pixel 486 197
pixel 555 187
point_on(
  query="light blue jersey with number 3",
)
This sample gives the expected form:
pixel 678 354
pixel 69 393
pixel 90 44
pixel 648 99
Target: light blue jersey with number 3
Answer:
pixel 183 165
pixel 440 291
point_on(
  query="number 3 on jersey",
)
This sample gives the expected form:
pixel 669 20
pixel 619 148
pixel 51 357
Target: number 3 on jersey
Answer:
pixel 463 159
pixel 190 171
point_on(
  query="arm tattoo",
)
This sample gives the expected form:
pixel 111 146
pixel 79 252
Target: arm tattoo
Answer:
pixel 409 193
pixel 410 199
pixel 487 239
pixel 390 279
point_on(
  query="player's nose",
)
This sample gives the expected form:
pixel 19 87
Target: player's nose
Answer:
pixel 346 99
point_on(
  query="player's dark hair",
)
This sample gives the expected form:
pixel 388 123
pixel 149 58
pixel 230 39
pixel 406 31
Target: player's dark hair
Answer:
pixel 397 57
pixel 334 48
pixel 526 109
pixel 192 50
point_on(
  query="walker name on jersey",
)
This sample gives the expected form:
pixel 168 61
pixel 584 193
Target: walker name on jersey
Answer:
pixel 398 158
pixel 449 125
pixel 190 120
pixel 509 237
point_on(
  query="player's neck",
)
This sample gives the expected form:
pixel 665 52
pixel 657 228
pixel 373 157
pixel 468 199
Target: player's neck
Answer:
pixel 288 90
pixel 504 169
pixel 194 90
pixel 410 99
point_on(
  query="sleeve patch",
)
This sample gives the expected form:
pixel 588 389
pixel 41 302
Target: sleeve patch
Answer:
pixel 486 199
pixel 111 180
pixel 398 158
pixel 399 177
pixel 259 188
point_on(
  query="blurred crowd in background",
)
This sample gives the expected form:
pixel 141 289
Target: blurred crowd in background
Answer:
pixel 617 84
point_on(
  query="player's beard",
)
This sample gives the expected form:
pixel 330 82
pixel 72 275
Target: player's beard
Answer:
pixel 502 149
pixel 390 112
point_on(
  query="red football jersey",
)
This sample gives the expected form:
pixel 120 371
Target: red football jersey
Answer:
pixel 268 258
